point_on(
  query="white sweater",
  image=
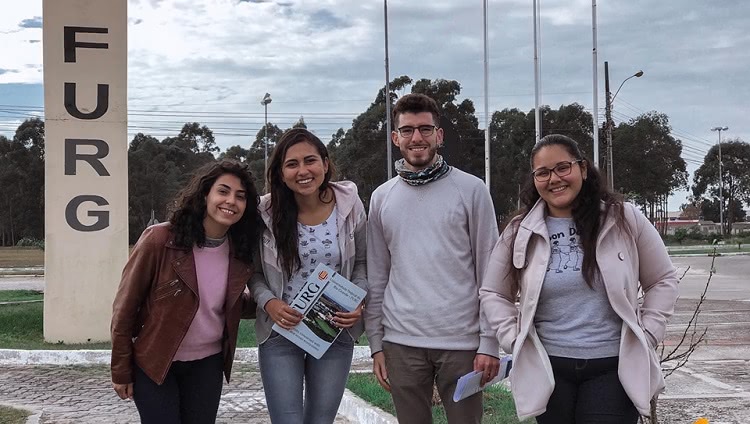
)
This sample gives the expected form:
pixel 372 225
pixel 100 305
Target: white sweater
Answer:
pixel 427 250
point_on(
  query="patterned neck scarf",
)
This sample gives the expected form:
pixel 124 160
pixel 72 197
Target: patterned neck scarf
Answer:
pixel 427 175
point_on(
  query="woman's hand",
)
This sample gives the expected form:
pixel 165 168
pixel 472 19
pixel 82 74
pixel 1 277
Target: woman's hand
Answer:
pixel 125 391
pixel 348 319
pixel 282 314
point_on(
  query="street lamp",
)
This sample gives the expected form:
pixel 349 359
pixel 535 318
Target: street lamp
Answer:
pixel 721 181
pixel 610 124
pixel 266 100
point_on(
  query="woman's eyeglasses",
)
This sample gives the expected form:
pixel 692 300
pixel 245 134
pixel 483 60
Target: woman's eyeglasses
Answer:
pixel 562 169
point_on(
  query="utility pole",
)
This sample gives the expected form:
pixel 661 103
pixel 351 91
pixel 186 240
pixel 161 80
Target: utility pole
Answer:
pixel 486 99
pixel 595 75
pixel 388 147
pixel 721 181
pixel 609 125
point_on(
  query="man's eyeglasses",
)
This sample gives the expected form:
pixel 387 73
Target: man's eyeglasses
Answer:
pixel 408 131
pixel 561 169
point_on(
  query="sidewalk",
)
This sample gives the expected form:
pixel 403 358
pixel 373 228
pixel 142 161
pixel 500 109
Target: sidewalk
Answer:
pixel 81 392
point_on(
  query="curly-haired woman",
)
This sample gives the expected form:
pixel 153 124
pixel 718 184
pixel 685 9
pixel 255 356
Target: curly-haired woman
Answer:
pixel 183 290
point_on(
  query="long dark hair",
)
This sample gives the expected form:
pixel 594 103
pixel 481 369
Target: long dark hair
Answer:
pixel 283 205
pixel 593 202
pixel 189 209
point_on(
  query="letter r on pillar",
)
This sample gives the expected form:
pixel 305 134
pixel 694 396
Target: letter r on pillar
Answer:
pixel 93 159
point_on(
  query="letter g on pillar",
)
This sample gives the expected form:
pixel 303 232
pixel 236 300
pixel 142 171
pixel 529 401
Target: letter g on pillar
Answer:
pixel 71 213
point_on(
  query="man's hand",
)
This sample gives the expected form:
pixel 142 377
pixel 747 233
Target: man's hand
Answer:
pixel 378 368
pixel 125 391
pixel 488 365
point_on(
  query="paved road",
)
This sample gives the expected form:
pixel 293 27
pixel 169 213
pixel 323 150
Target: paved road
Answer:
pixel 731 280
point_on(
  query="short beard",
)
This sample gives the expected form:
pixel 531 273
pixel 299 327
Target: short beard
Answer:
pixel 418 166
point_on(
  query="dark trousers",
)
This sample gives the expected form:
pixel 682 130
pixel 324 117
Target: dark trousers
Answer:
pixel 189 395
pixel 587 391
pixel 412 372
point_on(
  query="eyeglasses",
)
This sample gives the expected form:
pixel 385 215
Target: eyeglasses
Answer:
pixel 562 169
pixel 408 131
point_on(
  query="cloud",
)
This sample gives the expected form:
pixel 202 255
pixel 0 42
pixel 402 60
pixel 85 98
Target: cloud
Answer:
pixel 35 22
pixel 325 59
pixel 5 71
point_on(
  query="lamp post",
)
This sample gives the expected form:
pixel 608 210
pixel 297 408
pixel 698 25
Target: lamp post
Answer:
pixel 610 98
pixel 721 181
pixel 266 100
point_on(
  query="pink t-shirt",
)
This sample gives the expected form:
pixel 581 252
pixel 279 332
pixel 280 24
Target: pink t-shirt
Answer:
pixel 204 337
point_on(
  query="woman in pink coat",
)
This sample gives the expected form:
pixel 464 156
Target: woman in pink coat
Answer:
pixel 583 344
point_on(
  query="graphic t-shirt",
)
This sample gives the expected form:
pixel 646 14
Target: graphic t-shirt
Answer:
pixel 572 319
pixel 317 243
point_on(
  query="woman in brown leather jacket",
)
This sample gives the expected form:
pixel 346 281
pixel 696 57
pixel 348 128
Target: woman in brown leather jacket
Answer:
pixel 183 291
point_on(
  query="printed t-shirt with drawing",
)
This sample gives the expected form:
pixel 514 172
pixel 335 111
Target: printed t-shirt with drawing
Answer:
pixel 317 243
pixel 572 319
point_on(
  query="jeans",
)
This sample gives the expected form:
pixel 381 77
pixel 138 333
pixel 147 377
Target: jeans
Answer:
pixel 587 391
pixel 189 395
pixel 284 367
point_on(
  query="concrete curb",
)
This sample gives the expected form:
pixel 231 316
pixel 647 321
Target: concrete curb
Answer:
pixel 102 357
pixel 357 410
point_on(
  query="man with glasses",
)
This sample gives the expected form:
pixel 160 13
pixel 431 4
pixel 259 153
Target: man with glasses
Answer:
pixel 430 234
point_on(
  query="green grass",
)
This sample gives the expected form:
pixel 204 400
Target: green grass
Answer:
pixel 20 295
pixel 498 403
pixel 10 415
pixel 246 335
pixel 21 327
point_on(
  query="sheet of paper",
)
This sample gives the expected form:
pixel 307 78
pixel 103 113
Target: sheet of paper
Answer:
pixel 470 383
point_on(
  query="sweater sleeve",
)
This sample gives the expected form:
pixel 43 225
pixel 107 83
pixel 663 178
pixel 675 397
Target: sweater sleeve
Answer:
pixel 483 233
pixel 258 285
pixel 658 279
pixel 378 270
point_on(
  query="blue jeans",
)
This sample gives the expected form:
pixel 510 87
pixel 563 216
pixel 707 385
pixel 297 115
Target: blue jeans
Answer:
pixel 284 367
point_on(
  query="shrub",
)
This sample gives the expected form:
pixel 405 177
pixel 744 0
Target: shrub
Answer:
pixel 30 242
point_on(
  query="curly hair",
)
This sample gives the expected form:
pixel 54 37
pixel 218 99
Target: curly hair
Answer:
pixel 283 205
pixel 189 209
pixel 592 203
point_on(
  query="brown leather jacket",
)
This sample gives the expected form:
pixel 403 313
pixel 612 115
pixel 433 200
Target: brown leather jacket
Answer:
pixel 157 300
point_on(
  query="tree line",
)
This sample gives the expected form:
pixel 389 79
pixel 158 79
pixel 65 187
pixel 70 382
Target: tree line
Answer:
pixel 648 166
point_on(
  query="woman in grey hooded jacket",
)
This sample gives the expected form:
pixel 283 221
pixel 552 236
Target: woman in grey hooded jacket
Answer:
pixel 309 219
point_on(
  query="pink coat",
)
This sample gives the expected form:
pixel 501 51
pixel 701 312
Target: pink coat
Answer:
pixel 624 261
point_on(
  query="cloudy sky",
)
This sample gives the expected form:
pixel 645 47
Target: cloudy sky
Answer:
pixel 211 61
